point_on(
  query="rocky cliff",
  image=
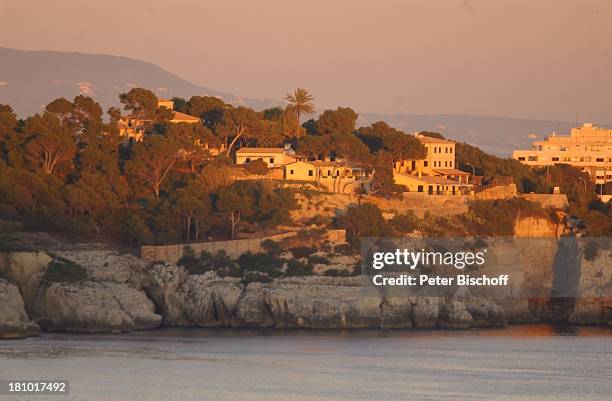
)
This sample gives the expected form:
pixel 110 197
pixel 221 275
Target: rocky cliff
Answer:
pixel 14 322
pixel 122 293
pixel 111 298
pixel 306 302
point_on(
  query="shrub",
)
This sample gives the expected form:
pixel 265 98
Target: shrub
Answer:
pixel 297 268
pixel 221 263
pixel 261 262
pixel 337 273
pixel 256 277
pixel 405 223
pixel 316 259
pixel 343 249
pixel 272 247
pixel 258 167
pixel 61 270
pixel 302 251
pixel 364 220
pixel 497 217
pixel 13 244
pixel 591 249
pixel 188 257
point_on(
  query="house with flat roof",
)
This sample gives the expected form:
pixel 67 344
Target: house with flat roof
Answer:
pixel 440 154
pixel 273 157
pixel 436 173
pixel 587 147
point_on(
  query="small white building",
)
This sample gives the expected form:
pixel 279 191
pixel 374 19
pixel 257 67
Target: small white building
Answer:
pixel 273 157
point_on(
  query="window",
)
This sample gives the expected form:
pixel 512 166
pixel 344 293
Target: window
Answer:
pixel 563 148
pixel 310 173
pixel 451 149
pixel 420 188
pixel 555 159
pixel 291 172
pixel 247 160
pixel 446 150
pixel 329 173
pixel 600 160
pixel 532 158
pixel 271 160
pixel 425 163
pixel 451 164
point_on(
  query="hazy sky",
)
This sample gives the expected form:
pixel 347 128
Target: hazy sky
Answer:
pixel 524 58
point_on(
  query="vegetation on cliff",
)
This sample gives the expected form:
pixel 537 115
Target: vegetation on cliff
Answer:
pixel 62 270
pixel 67 169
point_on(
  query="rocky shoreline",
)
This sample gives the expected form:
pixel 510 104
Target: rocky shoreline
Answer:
pixel 122 293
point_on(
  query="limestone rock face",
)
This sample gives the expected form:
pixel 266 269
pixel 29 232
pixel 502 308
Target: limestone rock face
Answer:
pixel 454 315
pixel 305 302
pixel 14 322
pixel 252 309
pixel 320 305
pixel 110 266
pixel 426 312
pixel 26 269
pixel 594 302
pixel 194 300
pixel 93 307
pixel 486 313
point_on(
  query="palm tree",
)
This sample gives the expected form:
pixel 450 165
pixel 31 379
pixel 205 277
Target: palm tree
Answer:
pixel 300 104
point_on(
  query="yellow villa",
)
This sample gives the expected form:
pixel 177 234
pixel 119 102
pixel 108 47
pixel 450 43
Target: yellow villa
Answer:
pixel 440 154
pixel 436 173
pixel 335 176
pixel 587 147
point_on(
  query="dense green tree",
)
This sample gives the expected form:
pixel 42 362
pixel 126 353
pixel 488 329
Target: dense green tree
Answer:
pixel 491 166
pixel 364 220
pixel 142 103
pixel 192 204
pixel 152 161
pixel 231 200
pixel 381 137
pixel 273 114
pixel 339 121
pixel 239 124
pixel 50 145
pixel 383 182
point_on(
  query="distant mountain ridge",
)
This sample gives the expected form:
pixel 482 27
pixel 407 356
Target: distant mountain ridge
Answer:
pixel 31 79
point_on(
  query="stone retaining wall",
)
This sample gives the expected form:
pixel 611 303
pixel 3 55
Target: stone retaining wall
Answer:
pixel 233 248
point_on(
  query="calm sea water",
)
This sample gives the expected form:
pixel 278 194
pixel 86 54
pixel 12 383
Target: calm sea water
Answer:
pixel 520 363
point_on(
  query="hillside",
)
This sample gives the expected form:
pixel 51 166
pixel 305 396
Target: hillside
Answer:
pixel 31 79
pixel 496 135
